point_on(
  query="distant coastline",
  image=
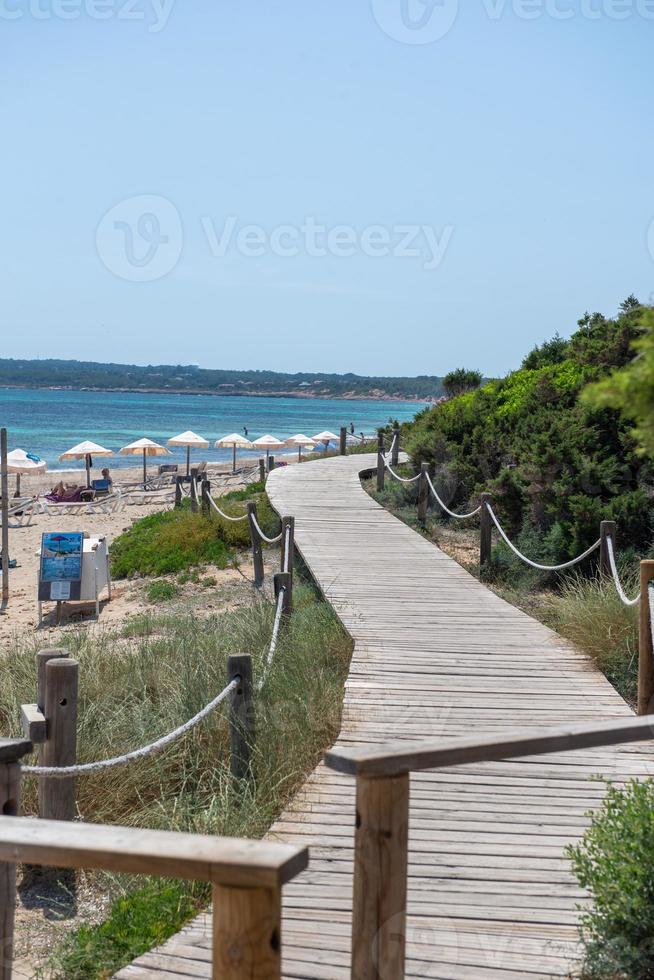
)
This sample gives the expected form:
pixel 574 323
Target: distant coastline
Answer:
pixel 373 395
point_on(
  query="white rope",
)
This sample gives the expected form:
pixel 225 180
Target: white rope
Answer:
pixel 263 536
pixel 444 506
pixel 121 760
pixel 390 449
pixel 616 577
pixel 535 564
pixel 287 549
pixel 401 479
pixel 273 640
pixel 227 517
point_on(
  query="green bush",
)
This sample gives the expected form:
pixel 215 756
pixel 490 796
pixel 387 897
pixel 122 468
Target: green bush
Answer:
pixel 614 861
pixel 161 591
pixel 556 462
pixel 168 542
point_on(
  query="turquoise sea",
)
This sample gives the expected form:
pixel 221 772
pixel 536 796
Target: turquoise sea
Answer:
pixel 49 422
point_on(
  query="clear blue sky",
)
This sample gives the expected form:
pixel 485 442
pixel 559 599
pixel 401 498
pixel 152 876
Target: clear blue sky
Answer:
pixel 525 145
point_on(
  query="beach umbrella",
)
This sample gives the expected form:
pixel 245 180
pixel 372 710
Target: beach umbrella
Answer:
pixel 300 440
pixel 192 441
pixel 234 440
pixel 18 461
pixel 326 437
pixel 86 451
pixel 268 443
pixel 148 448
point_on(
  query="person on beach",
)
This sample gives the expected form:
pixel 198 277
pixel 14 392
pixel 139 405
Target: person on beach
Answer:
pixel 351 428
pixel 106 475
pixel 245 430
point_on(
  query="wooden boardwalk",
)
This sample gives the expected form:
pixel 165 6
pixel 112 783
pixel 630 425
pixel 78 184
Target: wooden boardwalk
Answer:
pixel 436 654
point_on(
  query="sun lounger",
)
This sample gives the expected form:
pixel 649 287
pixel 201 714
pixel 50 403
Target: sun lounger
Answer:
pixel 103 505
pixel 22 510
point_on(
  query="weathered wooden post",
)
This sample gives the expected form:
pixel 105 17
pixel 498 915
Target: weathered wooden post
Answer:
pixel 423 493
pixel 283 581
pixel 4 504
pixel 485 531
pixel 11 751
pixel 57 796
pixel 178 490
pixel 607 530
pixel 255 537
pixel 395 452
pixel 246 932
pixel 381 464
pixel 271 463
pixel 195 505
pixel 645 650
pixel 206 492
pixel 342 447
pixel 380 877
pixel 288 545
pixel 262 470
pixel 242 727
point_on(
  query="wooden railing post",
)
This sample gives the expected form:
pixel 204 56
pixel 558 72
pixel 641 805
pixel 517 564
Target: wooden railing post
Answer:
pixel 380 877
pixel 246 933
pixel 57 796
pixel 288 534
pixel 607 530
pixel 645 651
pixel 423 493
pixel 395 454
pixel 11 751
pixel 343 440
pixel 283 580
pixel 206 491
pixel 257 553
pixel 242 728
pixel 485 529
pixel 381 465
pixel 178 490
pixel 271 463
pixel 262 470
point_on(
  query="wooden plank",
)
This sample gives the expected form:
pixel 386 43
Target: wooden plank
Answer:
pixel 222 860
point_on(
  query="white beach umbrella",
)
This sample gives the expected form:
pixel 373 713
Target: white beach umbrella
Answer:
pixel 326 437
pixel 192 441
pixel 86 451
pixel 300 441
pixel 146 447
pixel 18 461
pixel 268 443
pixel 234 440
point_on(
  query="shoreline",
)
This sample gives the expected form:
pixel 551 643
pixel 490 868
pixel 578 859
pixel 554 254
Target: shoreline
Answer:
pixel 307 396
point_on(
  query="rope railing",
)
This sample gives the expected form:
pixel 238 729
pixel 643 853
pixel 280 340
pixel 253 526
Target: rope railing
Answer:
pixel 273 640
pixel 85 769
pixel 263 536
pixel 400 479
pixel 221 513
pixel 535 564
pixel 616 577
pixel 444 506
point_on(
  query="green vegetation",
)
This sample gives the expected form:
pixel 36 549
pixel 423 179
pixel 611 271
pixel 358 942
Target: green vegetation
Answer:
pixel 161 591
pixel 50 373
pixel 556 462
pixel 461 380
pixel 146 679
pixel 176 540
pixel 615 862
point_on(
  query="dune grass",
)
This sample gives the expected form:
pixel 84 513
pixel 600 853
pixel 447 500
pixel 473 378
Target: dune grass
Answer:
pixel 144 680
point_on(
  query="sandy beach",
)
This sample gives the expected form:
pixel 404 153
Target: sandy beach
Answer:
pixel 24 546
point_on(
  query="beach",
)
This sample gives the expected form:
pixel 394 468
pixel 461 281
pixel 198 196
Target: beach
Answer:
pixel 127 596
